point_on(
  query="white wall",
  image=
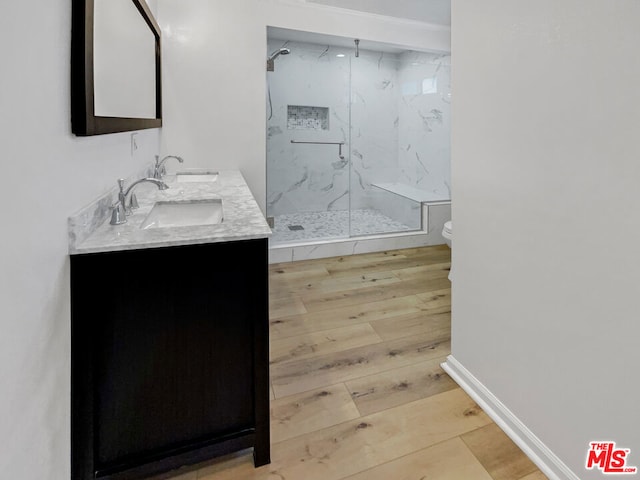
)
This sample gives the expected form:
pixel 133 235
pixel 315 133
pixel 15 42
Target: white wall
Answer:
pixel 214 72
pixel 47 174
pixel 546 175
pixel 433 11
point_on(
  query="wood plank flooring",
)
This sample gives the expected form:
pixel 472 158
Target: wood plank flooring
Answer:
pixel 356 384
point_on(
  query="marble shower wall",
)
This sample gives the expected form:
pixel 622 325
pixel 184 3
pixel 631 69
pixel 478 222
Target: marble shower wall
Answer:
pixel 374 122
pixel 307 178
pixel 399 129
pixel 424 113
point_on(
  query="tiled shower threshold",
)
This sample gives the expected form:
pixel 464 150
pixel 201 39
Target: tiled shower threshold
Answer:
pixel 347 246
pixel 433 218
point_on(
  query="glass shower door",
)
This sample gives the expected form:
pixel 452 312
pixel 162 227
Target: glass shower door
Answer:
pixel 307 143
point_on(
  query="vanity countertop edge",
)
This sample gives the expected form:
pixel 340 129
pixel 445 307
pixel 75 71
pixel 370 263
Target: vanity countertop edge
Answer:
pixel 243 219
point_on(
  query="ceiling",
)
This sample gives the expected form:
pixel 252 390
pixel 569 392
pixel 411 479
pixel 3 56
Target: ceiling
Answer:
pixel 437 12
pixel 284 34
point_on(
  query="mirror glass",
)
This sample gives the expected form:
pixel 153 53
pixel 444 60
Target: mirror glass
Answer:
pixel 124 61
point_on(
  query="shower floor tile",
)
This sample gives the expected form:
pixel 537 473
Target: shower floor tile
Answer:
pixel 332 225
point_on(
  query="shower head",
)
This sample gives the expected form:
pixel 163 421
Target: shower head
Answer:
pixel 280 51
pixel 274 55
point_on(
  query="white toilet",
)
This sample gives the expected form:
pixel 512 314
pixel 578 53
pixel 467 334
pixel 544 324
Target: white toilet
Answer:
pixel 447 233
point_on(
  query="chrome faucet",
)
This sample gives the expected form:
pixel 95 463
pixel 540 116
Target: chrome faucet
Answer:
pixel 122 208
pixel 159 170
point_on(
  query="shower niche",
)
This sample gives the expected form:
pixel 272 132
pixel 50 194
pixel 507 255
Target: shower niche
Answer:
pixel 344 130
pixel 307 118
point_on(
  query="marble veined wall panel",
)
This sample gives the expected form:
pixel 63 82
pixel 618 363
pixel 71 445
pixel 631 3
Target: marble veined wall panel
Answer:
pixel 305 177
pixel 374 120
pixel 424 112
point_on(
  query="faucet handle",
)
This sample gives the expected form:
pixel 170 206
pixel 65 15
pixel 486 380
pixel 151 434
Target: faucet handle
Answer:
pixel 133 202
pixel 118 214
pixel 157 173
pixel 122 199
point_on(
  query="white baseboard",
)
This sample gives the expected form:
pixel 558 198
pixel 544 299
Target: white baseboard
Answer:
pixel 531 445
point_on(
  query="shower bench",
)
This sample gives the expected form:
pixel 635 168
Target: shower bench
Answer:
pixel 414 193
pixel 432 204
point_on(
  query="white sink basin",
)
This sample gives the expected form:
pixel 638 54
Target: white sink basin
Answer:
pixel 184 213
pixel 190 176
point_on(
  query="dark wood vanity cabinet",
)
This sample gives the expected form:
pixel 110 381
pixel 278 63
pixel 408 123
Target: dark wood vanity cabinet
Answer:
pixel 169 357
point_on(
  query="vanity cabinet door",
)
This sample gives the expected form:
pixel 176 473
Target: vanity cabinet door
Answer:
pixel 173 348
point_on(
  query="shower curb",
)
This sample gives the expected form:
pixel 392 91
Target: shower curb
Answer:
pixel 352 246
pixel 433 219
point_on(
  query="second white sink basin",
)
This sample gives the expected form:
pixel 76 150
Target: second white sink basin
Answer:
pixel 190 176
pixel 185 213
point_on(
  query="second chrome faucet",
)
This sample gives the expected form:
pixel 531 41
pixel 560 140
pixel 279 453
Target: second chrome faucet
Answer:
pixel 159 170
pixel 123 207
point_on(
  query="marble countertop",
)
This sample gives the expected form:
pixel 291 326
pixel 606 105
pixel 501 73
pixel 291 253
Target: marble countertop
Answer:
pixel 243 219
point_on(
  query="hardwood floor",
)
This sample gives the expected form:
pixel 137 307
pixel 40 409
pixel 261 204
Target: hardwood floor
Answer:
pixel 357 388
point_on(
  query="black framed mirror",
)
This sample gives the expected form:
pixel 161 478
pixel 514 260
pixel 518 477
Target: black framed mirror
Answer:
pixel 115 67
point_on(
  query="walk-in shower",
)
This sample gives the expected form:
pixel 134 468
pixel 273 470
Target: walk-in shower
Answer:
pixel 357 138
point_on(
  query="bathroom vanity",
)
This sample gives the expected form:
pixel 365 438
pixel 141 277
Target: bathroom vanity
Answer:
pixel 169 335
